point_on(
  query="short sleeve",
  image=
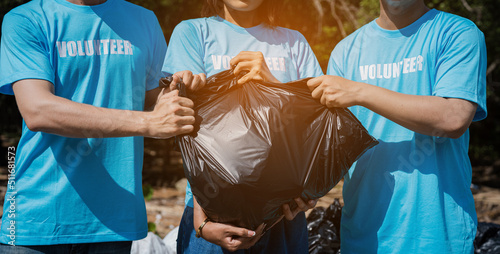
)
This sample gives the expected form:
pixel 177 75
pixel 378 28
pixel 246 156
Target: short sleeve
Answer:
pixel 461 69
pixel 307 62
pixel 185 51
pixel 335 62
pixel 23 52
pixel 159 49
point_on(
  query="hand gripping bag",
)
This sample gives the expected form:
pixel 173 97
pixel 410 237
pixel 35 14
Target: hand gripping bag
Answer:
pixel 258 145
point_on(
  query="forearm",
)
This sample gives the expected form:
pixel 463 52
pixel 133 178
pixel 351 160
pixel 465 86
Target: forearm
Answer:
pixel 198 214
pixel 71 119
pixel 429 115
pixel 44 111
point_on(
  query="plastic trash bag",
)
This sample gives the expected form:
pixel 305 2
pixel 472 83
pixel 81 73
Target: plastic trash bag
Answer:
pixel 323 226
pixel 258 145
pixel 487 238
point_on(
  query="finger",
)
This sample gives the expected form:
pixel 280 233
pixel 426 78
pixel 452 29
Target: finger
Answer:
pixel 199 82
pixel 194 83
pixel 185 129
pixel 185 120
pixel 160 94
pixel 184 111
pixel 252 75
pixel 187 78
pixel 301 205
pixel 176 78
pixel 317 92
pixel 252 241
pixel 245 56
pixel 241 232
pixel 287 212
pixel 164 95
pixel 186 102
pixel 242 66
pixel 315 82
pixel 324 100
pixel 312 203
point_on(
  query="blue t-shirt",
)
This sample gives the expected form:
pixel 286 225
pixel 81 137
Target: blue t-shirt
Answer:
pixel 79 190
pixel 411 193
pixel 207 45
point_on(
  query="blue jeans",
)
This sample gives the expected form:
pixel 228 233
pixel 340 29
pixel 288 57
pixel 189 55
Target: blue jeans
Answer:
pixel 81 248
pixel 285 237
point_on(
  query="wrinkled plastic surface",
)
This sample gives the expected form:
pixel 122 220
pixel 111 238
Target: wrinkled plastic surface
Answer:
pixel 323 226
pixel 258 145
pixel 487 238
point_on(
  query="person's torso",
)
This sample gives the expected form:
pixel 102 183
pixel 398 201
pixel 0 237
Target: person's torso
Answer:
pixel 405 190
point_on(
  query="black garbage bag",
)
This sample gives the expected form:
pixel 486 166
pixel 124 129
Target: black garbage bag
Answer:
pixel 258 145
pixel 487 238
pixel 323 226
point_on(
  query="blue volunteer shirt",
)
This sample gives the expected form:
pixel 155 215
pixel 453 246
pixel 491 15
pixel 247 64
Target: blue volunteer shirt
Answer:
pixel 79 190
pixel 207 45
pixel 410 193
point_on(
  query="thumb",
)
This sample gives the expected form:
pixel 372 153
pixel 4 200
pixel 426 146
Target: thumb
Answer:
pixel 241 232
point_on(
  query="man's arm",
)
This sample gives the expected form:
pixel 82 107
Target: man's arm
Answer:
pixel 43 111
pixel 428 115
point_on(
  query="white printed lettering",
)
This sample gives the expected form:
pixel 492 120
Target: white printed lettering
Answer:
pixel 406 65
pixel 363 70
pixel 379 71
pixel 372 71
pixel 420 60
pixel 71 45
pixel 128 47
pixel 89 48
pixel 217 61
pixel 119 47
pixel 282 64
pixel 61 46
pixel 387 71
pixel 112 46
pixel 275 63
pixel 105 46
pixel 80 48
pixel 225 62
pixel 269 63
pixel 412 64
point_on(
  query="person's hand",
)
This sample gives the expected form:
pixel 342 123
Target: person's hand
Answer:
pixel 172 115
pixel 301 207
pixel 193 82
pixel 230 237
pixel 255 64
pixel 334 91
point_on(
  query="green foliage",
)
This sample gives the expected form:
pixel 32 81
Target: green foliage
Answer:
pixel 147 191
pixel 151 227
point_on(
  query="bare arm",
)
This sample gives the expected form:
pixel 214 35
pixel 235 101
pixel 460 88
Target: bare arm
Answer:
pixel 43 111
pixel 428 115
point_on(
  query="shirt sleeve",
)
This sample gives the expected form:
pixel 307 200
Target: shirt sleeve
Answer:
pixel 336 62
pixel 461 69
pixel 308 65
pixel 159 49
pixel 185 51
pixel 23 52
